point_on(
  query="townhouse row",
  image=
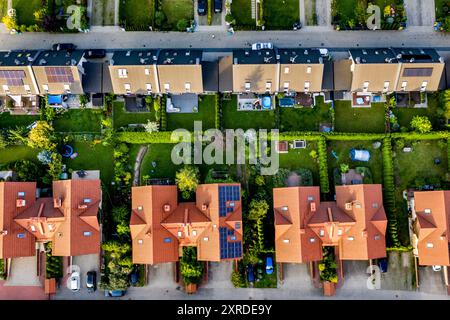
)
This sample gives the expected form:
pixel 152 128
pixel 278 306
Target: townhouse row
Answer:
pixel 354 224
pixel 28 73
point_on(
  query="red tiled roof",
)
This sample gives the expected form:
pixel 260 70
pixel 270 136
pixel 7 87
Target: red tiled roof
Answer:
pixel 432 226
pixel 69 219
pixel 356 223
pixel 160 225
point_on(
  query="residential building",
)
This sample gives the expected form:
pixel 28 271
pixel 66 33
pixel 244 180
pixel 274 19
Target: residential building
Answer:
pixel 68 219
pixel 161 226
pixel 134 72
pixel 431 216
pixel 59 72
pixel 355 224
pixel 180 71
pixel 255 71
pixel 387 70
pixel 18 87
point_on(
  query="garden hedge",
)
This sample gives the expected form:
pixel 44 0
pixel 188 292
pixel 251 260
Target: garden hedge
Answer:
pixel 163 113
pixel 323 165
pixel 218 112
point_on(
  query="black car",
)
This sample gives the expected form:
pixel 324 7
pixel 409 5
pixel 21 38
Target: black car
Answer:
pixel 383 265
pixel 202 7
pixel 95 54
pixel 91 281
pixel 134 277
pixel 115 293
pixel 64 46
pixel 217 6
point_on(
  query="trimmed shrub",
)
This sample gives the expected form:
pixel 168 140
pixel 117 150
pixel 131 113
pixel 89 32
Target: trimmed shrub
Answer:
pixel 163 101
pixel 218 110
pixel 323 165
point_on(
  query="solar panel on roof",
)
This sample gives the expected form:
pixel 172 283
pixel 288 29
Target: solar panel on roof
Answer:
pixel 59 75
pixel 229 250
pixel 13 78
pixel 227 194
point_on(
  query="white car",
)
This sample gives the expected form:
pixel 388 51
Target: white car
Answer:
pixel 74 282
pixel 437 268
pixel 262 45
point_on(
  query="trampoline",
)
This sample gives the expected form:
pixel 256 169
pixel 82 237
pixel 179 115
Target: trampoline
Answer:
pixel 67 151
pixel 266 102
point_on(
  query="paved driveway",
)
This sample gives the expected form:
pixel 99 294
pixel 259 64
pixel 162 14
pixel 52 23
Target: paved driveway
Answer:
pixel 23 272
pixel 21 292
pixel 219 275
pixel 431 281
pixel 420 12
pixel 161 276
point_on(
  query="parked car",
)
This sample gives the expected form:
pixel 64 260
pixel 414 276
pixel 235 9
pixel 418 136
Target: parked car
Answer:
pixel 134 277
pixel 202 7
pixel 262 45
pixel 75 281
pixel 64 46
pixel 217 6
pixel 115 293
pixel 95 54
pixel 269 265
pixel 383 265
pixel 91 281
pixel 437 268
pixel 250 274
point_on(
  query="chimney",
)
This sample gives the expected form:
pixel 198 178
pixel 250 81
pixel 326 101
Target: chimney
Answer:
pixel 166 207
pixel 57 202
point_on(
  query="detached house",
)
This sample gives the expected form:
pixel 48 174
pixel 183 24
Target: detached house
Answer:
pixel 161 226
pixel 431 216
pixel 59 72
pixel 68 219
pixel 355 224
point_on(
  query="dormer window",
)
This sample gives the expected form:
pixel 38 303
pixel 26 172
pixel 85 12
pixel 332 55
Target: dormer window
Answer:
pixel 286 241
pixel 377 237
pixel 147 72
pixel 308 70
pixel 67 88
pixel 27 88
pixel 366 86
pixel 45 86
pixel 237 225
pixel 375 205
pixel 87 200
pixel 21 194
pixel 187 87
pixel 5 88
pixel 423 87
pixel 148 86
pixel 167 240
pixel 350 238
pixel 123 73
pixel 205 239
pixel 404 84
pixel 87 233
pixel 322 232
pixel 180 234
pixel 33 228
pixel 167 87
pixel 427 211
pixel 50 227
pixel 307 85
pixel 140 208
pixel 140 241
pixel 21 235
pixel 339 232
pixel 430 245
pixel 268 86
pixel 247 86
pixel 194 233
pixel 310 198
pixel 286 86
pixel 127 87
pixel 312 240
pixel 386 86
pixel 286 70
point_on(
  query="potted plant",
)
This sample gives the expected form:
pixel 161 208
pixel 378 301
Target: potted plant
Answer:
pixel 328 271
pixel 191 269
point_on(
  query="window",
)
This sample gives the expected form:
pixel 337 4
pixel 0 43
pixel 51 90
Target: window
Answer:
pixel 127 87
pixel 166 86
pixel 123 73
pixel 45 86
pixel 180 234
pixel 377 237
pixel 417 72
pixel 424 86
pixel 233 238
pixel 87 233
pixel 247 86
pixel 194 232
pixel 33 228
pixel 310 198
pixel 27 88
pixel 286 86
pixel 427 211
pixel 66 87
pixel 286 70
pixel 322 232
pixel 268 86
pixel 87 200
pixel 5 88
pixel 140 241
pixel 187 87
pixel 50 227
pixel 205 239
pixel 148 86
pixel 365 86
pixel 404 83
pixel 351 238
pixel 147 72
pixel 430 245
pixel 286 240
pixel 21 235
pixel 386 86
pixel 308 70
pixel 375 205
pixel 167 240
pixel 307 85
pixel 339 232
pixel 312 240
pixel 21 194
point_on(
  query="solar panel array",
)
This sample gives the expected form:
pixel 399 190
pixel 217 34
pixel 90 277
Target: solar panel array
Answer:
pixel 14 78
pixel 59 75
pixel 229 250
pixel 228 193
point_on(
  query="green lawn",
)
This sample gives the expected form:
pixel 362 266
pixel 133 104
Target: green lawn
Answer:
pixel 122 118
pixel 410 166
pixel 137 14
pixel 234 119
pixel 176 10
pixel 79 120
pixel 300 159
pixel 91 157
pixel 161 155
pixel 405 115
pixel 205 114
pixel 25 10
pixel 9 121
pixel 281 14
pixel 305 119
pixel 15 153
pixel 348 119
pixel 342 149
pixel 242 12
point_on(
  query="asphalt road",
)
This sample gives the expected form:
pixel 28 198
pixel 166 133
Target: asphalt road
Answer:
pixel 307 37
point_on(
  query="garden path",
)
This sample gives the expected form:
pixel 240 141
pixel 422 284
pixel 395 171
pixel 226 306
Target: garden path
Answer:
pixel 137 165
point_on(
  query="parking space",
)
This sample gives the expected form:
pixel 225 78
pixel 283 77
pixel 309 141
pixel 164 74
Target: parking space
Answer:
pixel 162 276
pixel 431 281
pixel 401 273
pixel 23 272
pixel 219 275
pixel 296 276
